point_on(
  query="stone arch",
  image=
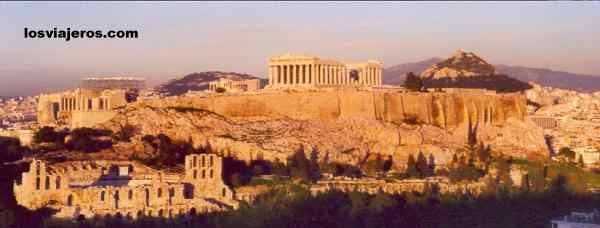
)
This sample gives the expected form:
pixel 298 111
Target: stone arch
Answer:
pixel 161 213
pixel 70 200
pixel 116 199
pixel 485 115
pixel 193 211
pixel 149 212
pixel 47 183
pixel 170 213
pixel 129 215
pixel 171 195
pixel 147 197
pixel 57 182
pixel 37 167
pixel 139 214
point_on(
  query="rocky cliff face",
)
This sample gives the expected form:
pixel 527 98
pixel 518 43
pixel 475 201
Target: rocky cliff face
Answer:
pixel 344 126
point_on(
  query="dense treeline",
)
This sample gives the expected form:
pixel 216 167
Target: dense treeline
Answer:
pixel 293 206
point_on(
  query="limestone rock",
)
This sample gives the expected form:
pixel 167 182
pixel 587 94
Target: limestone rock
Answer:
pixel 341 125
pixel 461 64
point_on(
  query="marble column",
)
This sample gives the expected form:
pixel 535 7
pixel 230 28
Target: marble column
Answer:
pixel 310 74
pixel 322 74
pixel 318 74
pixel 292 75
pixel 379 77
pixel 325 74
pixel 370 82
pixel 337 75
pixel 370 76
pixel 330 74
pixel 278 77
pixel 270 75
pixel 298 74
pixel 304 75
pixel 288 77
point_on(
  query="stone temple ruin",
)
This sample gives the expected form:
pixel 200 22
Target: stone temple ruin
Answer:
pixel 129 189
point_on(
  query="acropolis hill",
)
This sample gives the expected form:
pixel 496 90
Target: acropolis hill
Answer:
pixel 334 111
pixel 346 120
pixel 345 125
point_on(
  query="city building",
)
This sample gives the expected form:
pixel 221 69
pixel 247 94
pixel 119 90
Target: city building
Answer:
pixel 79 107
pixel 133 83
pixel 577 220
pixel 299 70
pixel 234 85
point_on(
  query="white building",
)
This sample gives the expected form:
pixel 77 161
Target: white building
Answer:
pixel 578 220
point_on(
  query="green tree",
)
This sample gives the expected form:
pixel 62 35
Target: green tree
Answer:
pixel 7 217
pixel 559 186
pixel 422 167
pixel 503 173
pixel 411 167
pixel 525 183
pixel 484 153
pixel 413 82
pixel 567 153
pixel 313 167
pixel 48 135
pixel 10 149
pixel 300 165
pixel 125 133
pixel 580 162
pixel 381 202
pixel 87 139
pixel 374 166
pixel 431 165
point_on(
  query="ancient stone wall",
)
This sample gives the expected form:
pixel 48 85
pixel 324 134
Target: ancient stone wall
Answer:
pixel 91 189
pixel 440 109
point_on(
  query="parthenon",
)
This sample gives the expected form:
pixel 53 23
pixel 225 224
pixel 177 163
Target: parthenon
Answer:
pixel 300 70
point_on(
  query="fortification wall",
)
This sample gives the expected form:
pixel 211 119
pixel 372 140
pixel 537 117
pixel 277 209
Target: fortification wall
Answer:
pixel 90 118
pixel 440 109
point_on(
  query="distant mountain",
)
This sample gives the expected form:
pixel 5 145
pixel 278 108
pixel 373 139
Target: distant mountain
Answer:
pixel 558 79
pixel 199 82
pixel 468 70
pixel 395 75
pixel 461 65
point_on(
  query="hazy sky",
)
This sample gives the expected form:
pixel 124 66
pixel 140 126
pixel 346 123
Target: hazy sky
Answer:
pixel 177 38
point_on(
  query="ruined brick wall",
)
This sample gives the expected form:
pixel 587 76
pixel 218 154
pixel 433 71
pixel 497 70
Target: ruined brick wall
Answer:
pixel 92 189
